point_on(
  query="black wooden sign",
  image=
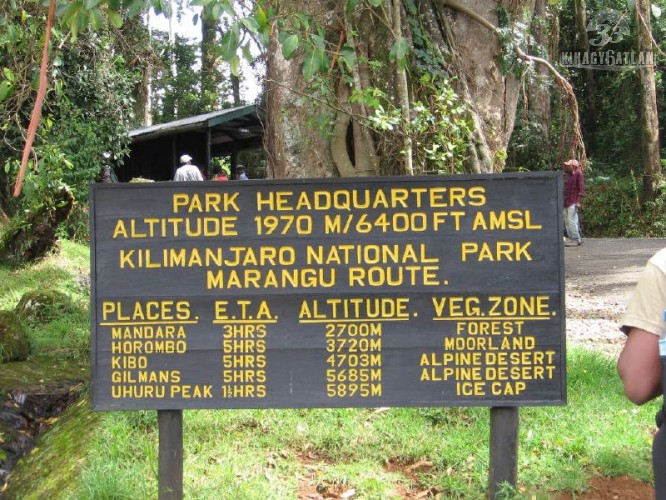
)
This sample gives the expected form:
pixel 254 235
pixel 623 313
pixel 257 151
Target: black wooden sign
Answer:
pixel 407 291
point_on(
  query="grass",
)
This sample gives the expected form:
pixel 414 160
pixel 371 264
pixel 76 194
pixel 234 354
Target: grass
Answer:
pixel 275 454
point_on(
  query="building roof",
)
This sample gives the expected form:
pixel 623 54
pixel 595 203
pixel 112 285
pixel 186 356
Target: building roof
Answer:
pixel 155 150
pixel 228 125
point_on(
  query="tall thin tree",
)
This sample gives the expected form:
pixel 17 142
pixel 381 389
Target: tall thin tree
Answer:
pixel 650 160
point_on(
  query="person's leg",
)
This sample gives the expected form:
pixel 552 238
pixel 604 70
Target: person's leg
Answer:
pixel 659 463
pixel 571 222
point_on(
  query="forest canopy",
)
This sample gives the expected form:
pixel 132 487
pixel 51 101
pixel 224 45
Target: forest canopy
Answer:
pixel 355 88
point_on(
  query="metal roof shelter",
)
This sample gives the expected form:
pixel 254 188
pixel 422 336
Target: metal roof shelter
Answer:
pixel 155 150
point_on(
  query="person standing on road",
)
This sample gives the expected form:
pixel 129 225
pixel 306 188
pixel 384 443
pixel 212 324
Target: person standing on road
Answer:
pixel 574 187
pixel 187 171
pixel 639 365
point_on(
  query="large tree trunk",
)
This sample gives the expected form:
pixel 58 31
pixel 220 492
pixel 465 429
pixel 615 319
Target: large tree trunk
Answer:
pixel 308 137
pixel 590 116
pixel 650 161
pixel 539 90
pixel 296 149
pixel 310 134
pixel 491 94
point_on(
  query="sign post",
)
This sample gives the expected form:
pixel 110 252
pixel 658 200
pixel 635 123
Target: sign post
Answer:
pixel 503 467
pixel 170 459
pixel 404 291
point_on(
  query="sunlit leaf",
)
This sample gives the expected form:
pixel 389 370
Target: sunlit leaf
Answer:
pixel 95 19
pixel 290 45
pixel 250 24
pixel 318 41
pixel 135 8
pixel 264 27
pixel 656 11
pixel 302 20
pixel 348 56
pixel 376 3
pixel 234 64
pixel 247 53
pixel 115 19
pixel 310 64
pixel 91 4
pixel 5 89
pixel 69 13
pixel 228 8
pixel 229 44
pixel 399 51
pixel 315 61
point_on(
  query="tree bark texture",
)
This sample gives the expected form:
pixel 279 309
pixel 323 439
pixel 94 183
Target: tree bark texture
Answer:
pixel 651 163
pixel 308 133
pixel 491 94
pixel 298 148
pixel 590 86
pixel 539 89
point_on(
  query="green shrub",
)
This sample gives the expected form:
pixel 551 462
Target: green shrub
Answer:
pixel 612 208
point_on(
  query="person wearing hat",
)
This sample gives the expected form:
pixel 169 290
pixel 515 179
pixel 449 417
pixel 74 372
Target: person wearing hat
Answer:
pixel 187 171
pixel 240 173
pixel 573 197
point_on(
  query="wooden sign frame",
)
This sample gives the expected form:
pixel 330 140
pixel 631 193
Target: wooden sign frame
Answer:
pixel 403 291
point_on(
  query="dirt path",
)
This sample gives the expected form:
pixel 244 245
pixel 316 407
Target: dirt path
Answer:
pixel 600 276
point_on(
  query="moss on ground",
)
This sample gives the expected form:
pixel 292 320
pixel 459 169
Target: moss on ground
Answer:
pixel 42 371
pixel 51 469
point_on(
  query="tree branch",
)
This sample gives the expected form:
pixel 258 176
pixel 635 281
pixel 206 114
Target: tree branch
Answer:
pixel 37 110
pixel 562 82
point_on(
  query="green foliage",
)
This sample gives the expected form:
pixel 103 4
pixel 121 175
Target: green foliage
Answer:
pixel 533 145
pixel 440 128
pixel 513 35
pixel 178 81
pixel 612 208
pixel 67 331
pixel 87 109
pixel 90 118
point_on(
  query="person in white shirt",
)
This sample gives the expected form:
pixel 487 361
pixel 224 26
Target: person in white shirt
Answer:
pixel 187 171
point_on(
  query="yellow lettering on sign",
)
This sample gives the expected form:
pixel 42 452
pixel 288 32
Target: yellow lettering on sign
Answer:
pixel 152 310
pixel 185 391
pixel 502 250
pixel 211 202
pixel 470 388
pixel 504 219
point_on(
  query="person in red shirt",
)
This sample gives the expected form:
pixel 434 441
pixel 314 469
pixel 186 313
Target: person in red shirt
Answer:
pixel 221 175
pixel 573 197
